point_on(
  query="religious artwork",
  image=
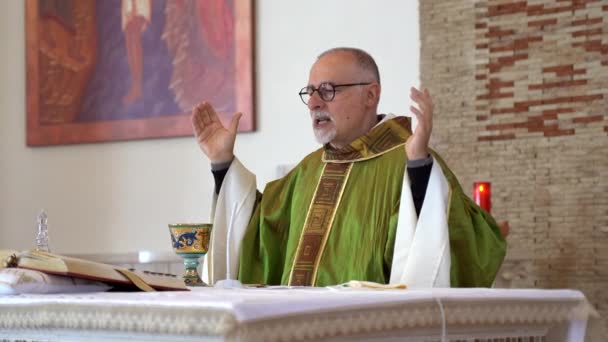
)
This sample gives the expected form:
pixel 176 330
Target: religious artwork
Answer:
pixel 105 70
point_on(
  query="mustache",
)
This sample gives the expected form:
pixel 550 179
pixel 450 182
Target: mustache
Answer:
pixel 321 115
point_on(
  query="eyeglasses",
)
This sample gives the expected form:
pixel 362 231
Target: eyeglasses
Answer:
pixel 326 90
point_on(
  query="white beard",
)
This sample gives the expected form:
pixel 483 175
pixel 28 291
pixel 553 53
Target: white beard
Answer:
pixel 327 134
pixel 324 136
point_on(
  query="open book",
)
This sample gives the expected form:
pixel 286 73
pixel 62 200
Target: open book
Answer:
pixel 119 277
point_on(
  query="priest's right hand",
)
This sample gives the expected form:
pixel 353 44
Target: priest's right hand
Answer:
pixel 215 140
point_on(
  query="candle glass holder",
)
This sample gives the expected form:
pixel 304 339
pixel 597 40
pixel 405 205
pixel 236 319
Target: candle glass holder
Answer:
pixel 482 194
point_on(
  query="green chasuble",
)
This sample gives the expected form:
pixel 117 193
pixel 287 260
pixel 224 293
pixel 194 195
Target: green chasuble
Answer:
pixel 364 181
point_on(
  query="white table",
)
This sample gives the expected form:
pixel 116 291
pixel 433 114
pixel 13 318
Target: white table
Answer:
pixel 209 314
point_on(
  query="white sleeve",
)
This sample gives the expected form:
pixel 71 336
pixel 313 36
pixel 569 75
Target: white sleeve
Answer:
pixel 231 212
pixel 421 257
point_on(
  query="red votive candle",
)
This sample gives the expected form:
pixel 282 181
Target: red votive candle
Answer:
pixel 482 192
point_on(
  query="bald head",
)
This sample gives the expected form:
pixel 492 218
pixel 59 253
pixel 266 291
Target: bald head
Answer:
pixel 362 59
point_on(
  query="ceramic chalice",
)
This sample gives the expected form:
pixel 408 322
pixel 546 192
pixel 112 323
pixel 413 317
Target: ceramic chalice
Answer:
pixel 190 241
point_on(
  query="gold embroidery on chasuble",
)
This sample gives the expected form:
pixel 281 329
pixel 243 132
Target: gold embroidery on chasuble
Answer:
pixel 318 223
pixel 379 140
pixel 322 211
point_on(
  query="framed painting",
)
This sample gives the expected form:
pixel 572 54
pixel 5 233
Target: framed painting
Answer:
pixel 107 70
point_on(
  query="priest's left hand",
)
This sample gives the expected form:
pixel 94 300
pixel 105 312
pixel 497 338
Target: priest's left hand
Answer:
pixel 417 146
pixel 504 228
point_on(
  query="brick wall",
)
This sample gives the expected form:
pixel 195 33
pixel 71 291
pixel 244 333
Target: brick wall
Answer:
pixel 521 92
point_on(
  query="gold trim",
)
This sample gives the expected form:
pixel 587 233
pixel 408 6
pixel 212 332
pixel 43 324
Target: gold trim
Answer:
pixel 380 139
pixel 189 225
pixel 449 202
pixel 312 201
pixel 330 188
pixel 314 235
pixel 330 226
pixel 336 161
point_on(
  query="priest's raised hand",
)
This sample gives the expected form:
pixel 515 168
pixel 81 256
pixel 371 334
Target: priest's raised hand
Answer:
pixel 417 145
pixel 215 140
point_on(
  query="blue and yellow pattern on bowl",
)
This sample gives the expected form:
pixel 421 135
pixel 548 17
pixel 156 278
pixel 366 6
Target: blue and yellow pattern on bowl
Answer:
pixel 190 241
pixel 190 237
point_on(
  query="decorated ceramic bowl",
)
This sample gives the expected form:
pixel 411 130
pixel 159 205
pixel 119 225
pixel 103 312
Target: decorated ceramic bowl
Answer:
pixel 189 238
pixel 190 241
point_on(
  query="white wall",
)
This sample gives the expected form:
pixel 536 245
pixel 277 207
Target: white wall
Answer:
pixel 118 197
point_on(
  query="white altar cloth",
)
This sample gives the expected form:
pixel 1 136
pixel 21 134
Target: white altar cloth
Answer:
pixel 299 314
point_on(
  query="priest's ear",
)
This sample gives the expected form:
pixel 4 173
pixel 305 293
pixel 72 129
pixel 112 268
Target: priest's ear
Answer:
pixel 372 94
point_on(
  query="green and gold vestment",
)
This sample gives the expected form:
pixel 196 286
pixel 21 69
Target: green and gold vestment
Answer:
pixel 349 202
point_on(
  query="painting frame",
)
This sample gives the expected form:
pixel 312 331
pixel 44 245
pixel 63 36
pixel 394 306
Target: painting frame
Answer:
pixel 175 125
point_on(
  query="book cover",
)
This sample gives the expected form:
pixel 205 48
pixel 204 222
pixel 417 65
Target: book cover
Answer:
pixel 120 277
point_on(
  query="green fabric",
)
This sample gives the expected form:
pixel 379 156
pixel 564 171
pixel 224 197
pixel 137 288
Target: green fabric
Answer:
pixel 477 246
pixel 360 243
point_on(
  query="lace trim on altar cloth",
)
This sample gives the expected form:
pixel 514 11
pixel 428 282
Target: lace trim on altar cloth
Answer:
pixel 528 322
pixel 425 316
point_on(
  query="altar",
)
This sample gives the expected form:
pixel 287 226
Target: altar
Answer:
pixel 302 314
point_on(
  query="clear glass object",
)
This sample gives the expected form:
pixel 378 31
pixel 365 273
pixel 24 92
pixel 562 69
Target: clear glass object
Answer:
pixel 42 238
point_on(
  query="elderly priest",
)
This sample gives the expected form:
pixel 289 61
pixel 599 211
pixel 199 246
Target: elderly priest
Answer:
pixel 374 203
